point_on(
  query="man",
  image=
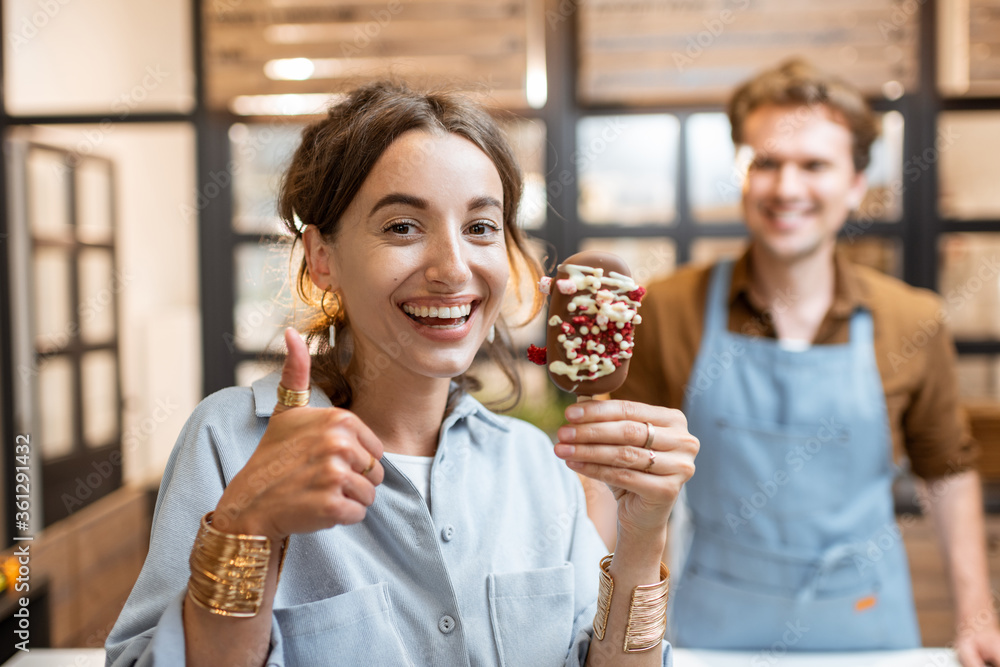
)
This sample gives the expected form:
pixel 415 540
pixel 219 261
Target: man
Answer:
pixel 788 364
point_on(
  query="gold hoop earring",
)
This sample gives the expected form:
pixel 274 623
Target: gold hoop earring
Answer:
pixel 333 321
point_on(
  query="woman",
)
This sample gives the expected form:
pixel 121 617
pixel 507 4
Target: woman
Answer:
pixel 468 542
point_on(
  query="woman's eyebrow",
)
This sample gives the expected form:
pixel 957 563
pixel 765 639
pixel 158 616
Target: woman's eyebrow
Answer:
pixel 399 198
pixel 484 202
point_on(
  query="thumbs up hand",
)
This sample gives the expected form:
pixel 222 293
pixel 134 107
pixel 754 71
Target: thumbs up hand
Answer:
pixel 314 468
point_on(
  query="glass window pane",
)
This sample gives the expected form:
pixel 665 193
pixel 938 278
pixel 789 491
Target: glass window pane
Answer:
pixel 48 193
pixel 55 410
pixel 649 258
pixel 98 290
pixel 260 155
pixel 95 216
pixel 884 254
pixel 263 294
pixel 100 398
pixel 884 199
pixel 969 282
pixel 527 138
pixel 715 183
pixel 968 143
pixel 51 302
pixel 708 250
pixel 627 167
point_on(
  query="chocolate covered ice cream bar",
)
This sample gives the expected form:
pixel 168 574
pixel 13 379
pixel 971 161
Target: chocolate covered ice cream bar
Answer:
pixel 592 317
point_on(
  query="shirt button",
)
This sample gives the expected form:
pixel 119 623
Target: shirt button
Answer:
pixel 446 624
pixel 448 532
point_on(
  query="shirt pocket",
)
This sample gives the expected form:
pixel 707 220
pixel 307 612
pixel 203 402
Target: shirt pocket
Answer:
pixel 351 628
pixel 532 615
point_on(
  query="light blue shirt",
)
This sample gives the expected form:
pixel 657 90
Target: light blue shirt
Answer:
pixel 501 570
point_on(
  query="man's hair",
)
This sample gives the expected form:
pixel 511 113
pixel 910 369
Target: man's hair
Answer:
pixel 796 82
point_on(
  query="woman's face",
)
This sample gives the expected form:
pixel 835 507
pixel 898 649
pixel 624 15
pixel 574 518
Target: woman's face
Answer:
pixel 420 259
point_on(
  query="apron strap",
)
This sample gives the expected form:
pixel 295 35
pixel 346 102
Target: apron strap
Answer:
pixel 717 306
pixel 862 329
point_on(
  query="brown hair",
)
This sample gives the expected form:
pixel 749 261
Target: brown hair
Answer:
pixel 797 82
pixel 332 162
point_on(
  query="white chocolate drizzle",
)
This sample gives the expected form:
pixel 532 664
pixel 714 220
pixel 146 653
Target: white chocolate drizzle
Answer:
pixel 605 299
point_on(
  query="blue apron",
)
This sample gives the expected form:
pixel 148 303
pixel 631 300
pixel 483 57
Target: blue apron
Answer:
pixel 793 540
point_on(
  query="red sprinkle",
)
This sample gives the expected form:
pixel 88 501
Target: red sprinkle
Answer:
pixel 637 294
pixel 536 355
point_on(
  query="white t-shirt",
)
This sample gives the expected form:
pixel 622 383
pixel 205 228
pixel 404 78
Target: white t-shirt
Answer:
pixel 794 344
pixel 418 469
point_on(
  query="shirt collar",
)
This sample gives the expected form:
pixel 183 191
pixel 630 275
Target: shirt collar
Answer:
pixel 265 395
pixel 849 290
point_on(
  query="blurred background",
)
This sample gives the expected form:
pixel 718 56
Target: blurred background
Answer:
pixel 142 266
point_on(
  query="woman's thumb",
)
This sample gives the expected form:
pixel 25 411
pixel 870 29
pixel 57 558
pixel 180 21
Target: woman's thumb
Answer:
pixel 295 371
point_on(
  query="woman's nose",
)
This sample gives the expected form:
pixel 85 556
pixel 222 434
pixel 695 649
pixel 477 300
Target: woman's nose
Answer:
pixel 448 264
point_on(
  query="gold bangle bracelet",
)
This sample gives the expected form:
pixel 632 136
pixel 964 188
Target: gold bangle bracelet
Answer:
pixel 604 598
pixel 647 613
pixel 228 572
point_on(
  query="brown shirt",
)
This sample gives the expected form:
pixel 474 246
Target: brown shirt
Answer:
pixel 914 351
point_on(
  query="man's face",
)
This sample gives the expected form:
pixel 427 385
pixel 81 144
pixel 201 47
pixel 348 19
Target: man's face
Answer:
pixel 801 184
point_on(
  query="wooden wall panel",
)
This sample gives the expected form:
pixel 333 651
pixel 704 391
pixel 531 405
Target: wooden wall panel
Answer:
pixel 677 51
pixel 476 45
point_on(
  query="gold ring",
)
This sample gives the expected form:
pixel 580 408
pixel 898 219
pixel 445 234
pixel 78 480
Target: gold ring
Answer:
pixel 292 399
pixel 650 432
pixel 652 460
pixel 371 464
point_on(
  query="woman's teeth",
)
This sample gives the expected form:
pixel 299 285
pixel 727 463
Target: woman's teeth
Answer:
pixel 442 312
pixel 439 317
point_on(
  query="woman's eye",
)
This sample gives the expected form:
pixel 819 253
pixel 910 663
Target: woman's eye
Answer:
pixel 482 228
pixel 400 228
